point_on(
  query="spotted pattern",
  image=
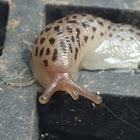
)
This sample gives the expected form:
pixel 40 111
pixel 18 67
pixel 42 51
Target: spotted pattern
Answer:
pixel 76 52
pixel 55 55
pixel 72 38
pixel 41 51
pixel 60 21
pixel 66 18
pixel 77 37
pixel 56 28
pixel 45 62
pixel 47 29
pixel 48 51
pixel 101 23
pixel 52 41
pixel 70 47
pixel 71 21
pixel 42 40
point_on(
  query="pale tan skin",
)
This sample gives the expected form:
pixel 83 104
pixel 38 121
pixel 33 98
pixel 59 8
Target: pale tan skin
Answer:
pixel 57 56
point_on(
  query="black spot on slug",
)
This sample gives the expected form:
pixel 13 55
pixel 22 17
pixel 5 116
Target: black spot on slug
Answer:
pixel 41 51
pixel 71 21
pixel 42 40
pixel 60 21
pixel 94 29
pixel 70 48
pixel 55 53
pixel 45 62
pixel 86 24
pixel 69 29
pixel 76 52
pixel 114 29
pixel 59 32
pixel 78 41
pixel 63 47
pixel 101 23
pixel 122 39
pixel 74 16
pixel 101 34
pixel 109 27
pixel 85 38
pixel 72 38
pixel 36 51
pixel 66 18
pixel 78 33
pixel 138 34
pixel 56 28
pixel 47 29
pixel 48 51
pixel 51 40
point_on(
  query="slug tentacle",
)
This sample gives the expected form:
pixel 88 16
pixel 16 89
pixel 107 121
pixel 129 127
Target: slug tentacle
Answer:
pixel 64 82
pixel 49 91
pixel 81 91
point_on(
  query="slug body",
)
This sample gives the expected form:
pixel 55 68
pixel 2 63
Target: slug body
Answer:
pixel 80 41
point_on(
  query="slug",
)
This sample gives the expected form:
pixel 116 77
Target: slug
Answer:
pixel 81 41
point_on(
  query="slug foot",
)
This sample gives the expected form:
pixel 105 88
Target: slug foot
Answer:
pixel 64 82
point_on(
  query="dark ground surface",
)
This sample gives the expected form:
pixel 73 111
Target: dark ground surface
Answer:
pixel 22 117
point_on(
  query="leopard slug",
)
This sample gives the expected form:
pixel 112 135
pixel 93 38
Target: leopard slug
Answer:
pixel 81 41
